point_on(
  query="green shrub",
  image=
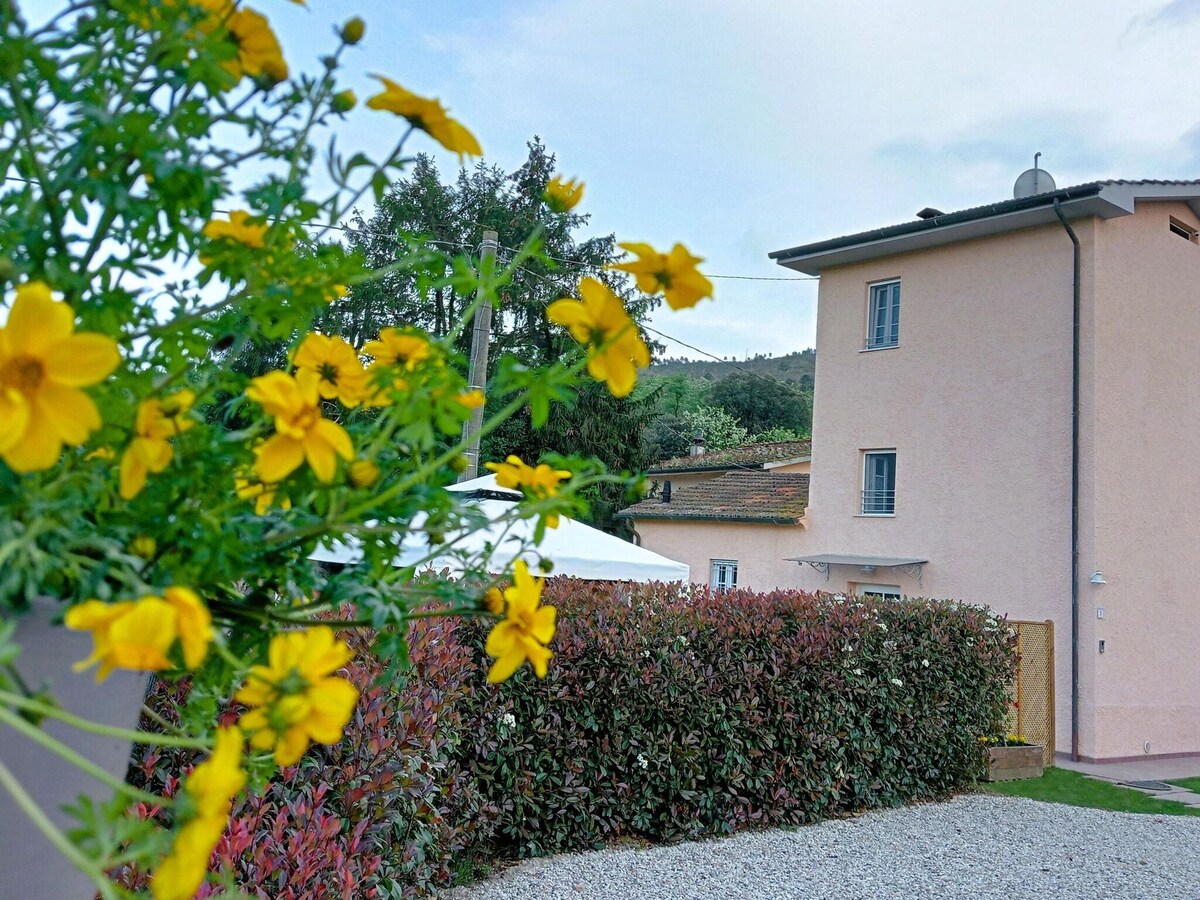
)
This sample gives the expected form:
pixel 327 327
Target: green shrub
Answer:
pixel 669 713
pixel 672 714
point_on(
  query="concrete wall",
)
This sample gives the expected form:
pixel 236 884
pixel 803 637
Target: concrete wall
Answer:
pixel 976 401
pixel 1144 533
pixel 760 550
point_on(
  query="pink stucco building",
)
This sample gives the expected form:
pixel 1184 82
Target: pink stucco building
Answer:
pixel 1006 398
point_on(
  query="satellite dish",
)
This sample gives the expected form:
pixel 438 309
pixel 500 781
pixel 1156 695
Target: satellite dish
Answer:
pixel 1031 182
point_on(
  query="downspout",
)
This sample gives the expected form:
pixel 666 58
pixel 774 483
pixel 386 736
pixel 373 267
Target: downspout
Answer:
pixel 1075 291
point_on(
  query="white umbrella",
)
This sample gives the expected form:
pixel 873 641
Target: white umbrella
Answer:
pixel 575 549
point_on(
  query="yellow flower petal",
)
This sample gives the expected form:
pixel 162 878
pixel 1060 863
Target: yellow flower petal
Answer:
pixel 278 457
pixel 81 360
pixel 37 321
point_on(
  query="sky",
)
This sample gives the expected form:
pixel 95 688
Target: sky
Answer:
pixel 742 128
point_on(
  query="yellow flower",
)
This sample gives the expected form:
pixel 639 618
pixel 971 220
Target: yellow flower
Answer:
pixel 211 788
pixel 673 273
pixel 599 322
pixel 149 451
pixel 301 432
pixel 236 228
pixel 263 495
pixel 472 399
pixel 525 631
pixel 215 782
pixel 561 195
pixel 43 364
pixel 539 483
pixel 105 453
pixel 363 473
pixel 179 876
pixel 258 50
pixel 137 635
pixel 428 115
pixel 395 349
pixel 336 292
pixel 493 601
pixel 337 366
pixel 294 698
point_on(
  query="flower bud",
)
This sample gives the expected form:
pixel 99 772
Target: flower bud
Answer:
pixel 459 464
pixel 143 545
pixel 343 101
pixel 352 31
pixel 363 473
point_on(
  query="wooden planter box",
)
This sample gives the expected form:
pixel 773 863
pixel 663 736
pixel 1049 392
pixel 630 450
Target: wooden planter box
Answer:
pixel 1008 763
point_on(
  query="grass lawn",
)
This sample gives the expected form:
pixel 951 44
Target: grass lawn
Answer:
pixel 1192 784
pixel 1062 786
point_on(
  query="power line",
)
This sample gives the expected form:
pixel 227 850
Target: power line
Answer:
pixel 782 384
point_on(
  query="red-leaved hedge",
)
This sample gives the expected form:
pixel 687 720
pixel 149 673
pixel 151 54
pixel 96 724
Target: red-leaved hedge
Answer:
pixel 668 714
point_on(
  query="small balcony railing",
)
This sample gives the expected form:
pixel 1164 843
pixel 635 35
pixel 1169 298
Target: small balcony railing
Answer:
pixel 878 503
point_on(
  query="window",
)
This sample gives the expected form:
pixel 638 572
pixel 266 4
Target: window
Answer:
pixel 723 575
pixel 879 483
pixel 1187 232
pixel 878 591
pixel 883 316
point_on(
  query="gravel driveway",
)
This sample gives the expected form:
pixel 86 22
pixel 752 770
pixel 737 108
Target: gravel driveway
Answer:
pixel 972 846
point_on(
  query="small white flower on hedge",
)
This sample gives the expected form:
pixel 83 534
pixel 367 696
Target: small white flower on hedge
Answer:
pixel 642 761
pixel 897 682
pixel 925 664
pixel 858 671
pixel 508 720
pixel 646 652
pixel 683 641
pixel 882 627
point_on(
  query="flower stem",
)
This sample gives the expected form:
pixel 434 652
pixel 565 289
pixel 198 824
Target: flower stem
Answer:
pixel 30 807
pixel 80 762
pixel 138 737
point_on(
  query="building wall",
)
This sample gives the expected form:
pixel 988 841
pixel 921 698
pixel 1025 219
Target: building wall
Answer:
pixel 760 550
pixel 976 400
pixel 1146 535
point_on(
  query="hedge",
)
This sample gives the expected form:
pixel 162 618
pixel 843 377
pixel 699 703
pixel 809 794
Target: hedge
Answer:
pixel 669 713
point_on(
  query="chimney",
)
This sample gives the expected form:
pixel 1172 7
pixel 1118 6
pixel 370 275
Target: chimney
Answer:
pixel 666 491
pixel 697 445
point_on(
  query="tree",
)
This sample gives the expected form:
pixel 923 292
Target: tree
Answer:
pixel 424 220
pixel 760 403
pixel 720 430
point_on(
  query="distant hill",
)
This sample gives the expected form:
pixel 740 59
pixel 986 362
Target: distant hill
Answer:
pixel 794 368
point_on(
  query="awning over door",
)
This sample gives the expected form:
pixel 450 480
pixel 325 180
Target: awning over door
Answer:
pixel 909 565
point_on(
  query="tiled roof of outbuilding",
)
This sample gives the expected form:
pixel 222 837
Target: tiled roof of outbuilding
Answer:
pixel 738 496
pixel 747 456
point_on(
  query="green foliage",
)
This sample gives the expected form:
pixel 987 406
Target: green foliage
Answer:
pixel 776 434
pixel 676 714
pixel 669 713
pixel 759 404
pixel 720 430
pixel 423 219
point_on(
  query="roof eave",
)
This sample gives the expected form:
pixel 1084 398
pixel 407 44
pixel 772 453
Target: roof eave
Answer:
pixel 697 517
pixel 812 259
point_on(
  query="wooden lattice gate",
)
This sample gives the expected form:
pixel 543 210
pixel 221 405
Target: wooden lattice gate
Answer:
pixel 1033 687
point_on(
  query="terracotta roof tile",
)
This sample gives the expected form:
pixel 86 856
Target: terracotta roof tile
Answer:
pixel 738 496
pixel 748 456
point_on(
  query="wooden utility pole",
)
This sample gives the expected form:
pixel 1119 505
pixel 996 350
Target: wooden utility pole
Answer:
pixel 481 337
